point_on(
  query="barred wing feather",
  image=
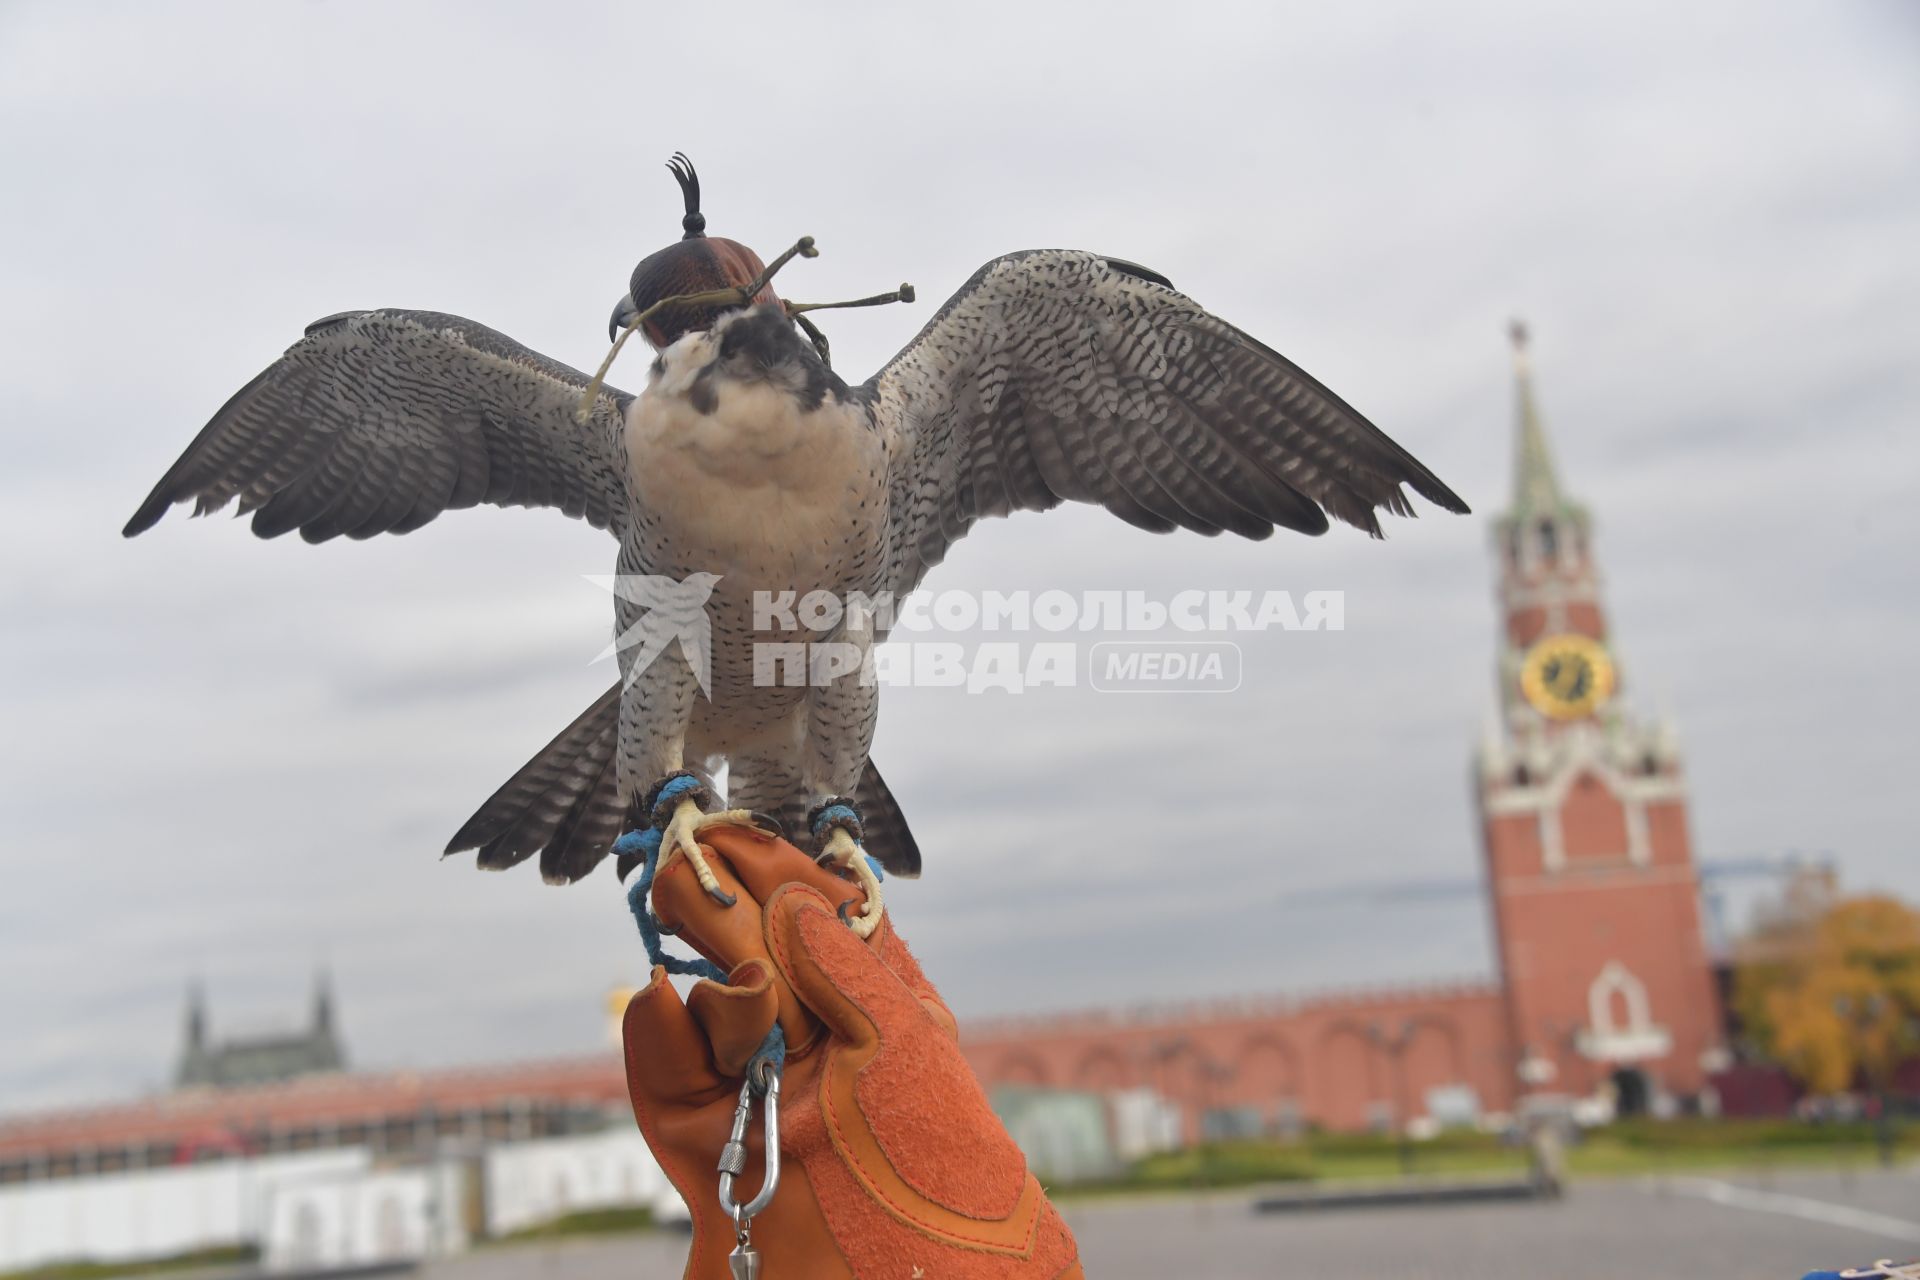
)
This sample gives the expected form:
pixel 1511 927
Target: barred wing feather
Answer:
pixel 1057 375
pixel 377 421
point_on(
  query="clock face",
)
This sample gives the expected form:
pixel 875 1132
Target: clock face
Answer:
pixel 1567 676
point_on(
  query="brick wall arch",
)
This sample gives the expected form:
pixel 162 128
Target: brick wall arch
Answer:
pixel 1433 1058
pixel 1347 1070
pixel 1104 1070
pixel 1440 1035
pixel 1184 1072
pixel 1268 1077
pixel 1021 1068
pixel 1269 1064
pixel 1302 1062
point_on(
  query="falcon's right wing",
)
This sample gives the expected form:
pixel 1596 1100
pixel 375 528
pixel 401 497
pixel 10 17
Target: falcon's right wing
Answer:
pixel 377 421
pixel 1055 375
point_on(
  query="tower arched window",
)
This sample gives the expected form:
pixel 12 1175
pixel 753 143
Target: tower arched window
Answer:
pixel 1549 541
pixel 1617 1002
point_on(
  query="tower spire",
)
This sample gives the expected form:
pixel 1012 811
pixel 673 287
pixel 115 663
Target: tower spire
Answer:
pixel 196 1036
pixel 322 1001
pixel 1536 489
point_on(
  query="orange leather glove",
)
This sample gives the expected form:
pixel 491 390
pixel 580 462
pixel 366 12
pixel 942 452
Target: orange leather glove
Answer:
pixel 892 1162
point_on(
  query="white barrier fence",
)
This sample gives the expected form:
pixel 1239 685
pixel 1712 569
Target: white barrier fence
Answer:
pixel 527 1183
pixel 329 1208
pixel 154 1213
pixel 372 1216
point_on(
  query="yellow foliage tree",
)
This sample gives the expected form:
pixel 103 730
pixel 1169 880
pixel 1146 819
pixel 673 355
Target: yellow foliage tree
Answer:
pixel 1838 995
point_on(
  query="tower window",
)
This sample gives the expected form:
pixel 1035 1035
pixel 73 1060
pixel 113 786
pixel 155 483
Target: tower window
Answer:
pixel 1549 542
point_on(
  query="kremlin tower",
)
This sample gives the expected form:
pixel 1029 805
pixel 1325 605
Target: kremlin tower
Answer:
pixel 1583 811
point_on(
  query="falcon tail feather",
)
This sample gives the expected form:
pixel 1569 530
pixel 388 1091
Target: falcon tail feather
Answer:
pixel 886 834
pixel 565 805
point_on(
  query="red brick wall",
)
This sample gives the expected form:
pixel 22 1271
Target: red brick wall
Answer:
pixel 1524 626
pixel 1593 822
pixel 1317 1057
pixel 1585 617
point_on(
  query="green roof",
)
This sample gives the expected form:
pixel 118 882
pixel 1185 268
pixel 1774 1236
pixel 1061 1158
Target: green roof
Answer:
pixel 1536 487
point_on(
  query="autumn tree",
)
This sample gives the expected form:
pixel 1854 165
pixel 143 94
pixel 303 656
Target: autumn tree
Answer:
pixel 1836 996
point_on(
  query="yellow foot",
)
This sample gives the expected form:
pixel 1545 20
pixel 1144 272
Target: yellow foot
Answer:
pixel 842 849
pixel 682 837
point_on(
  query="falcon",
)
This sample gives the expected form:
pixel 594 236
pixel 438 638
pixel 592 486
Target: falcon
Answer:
pixel 748 467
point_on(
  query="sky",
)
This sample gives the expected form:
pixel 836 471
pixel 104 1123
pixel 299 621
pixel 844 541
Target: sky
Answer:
pixel 237 761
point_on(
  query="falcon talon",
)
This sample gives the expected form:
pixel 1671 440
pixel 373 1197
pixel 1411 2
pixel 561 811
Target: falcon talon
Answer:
pixel 680 827
pixel 838 821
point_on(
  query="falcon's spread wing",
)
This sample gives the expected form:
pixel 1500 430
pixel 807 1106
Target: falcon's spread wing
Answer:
pixel 1057 375
pixel 377 421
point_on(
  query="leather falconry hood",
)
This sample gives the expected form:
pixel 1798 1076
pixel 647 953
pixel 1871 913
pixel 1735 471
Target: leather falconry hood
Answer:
pixel 695 263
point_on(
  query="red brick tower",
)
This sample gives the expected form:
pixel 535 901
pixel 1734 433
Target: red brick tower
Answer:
pixel 1584 815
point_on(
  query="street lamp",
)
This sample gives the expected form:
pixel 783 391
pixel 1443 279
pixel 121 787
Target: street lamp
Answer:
pixel 1862 1014
pixel 1214 1077
pixel 1160 1057
pixel 1394 1044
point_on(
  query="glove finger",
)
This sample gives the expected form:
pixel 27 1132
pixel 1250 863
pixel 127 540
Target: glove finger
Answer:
pixel 829 968
pixel 898 1097
pixel 894 954
pixel 736 1017
pixel 763 864
pixel 726 935
pixel 731 937
pixel 666 1052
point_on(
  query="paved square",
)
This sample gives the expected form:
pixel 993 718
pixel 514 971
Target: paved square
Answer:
pixel 1683 1228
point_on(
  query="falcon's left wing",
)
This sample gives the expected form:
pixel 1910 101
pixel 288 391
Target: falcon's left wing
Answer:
pixel 1057 375
pixel 377 421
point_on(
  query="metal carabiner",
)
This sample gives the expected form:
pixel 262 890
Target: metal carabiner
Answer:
pixel 733 1156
